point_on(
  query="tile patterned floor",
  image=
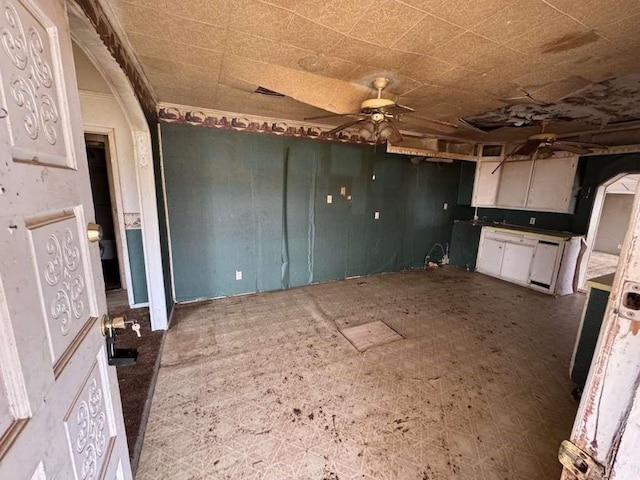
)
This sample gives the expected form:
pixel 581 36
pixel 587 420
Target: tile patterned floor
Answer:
pixel 264 387
pixel 601 263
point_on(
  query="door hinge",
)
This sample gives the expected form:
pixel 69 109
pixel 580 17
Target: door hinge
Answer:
pixel 579 463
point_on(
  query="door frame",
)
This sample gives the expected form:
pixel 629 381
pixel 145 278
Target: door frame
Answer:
pixel 594 224
pixel 117 208
pixel 87 39
pixel 606 426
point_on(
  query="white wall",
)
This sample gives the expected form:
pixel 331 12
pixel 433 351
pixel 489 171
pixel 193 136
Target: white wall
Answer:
pixel 88 77
pixel 101 109
pixel 614 221
pixel 102 114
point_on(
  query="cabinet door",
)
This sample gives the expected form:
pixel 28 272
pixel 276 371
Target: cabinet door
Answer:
pixel 544 263
pixel 485 186
pixel 490 260
pixel 516 262
pixel 552 184
pixel 514 183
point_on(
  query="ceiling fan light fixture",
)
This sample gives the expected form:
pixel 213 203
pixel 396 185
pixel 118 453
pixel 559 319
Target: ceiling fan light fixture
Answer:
pixel 367 131
pixel 385 130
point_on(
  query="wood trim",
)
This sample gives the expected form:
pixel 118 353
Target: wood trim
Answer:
pixel 64 359
pixel 11 434
pixel 107 457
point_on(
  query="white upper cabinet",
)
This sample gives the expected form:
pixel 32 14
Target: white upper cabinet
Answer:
pixel 514 183
pixel 485 185
pixel 552 184
pixel 544 185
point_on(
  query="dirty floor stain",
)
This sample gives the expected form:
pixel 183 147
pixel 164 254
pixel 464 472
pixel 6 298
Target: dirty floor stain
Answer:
pixel 265 387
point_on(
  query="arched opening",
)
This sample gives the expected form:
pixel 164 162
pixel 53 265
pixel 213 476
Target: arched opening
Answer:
pixel 111 110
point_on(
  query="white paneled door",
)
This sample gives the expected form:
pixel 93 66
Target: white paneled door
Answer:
pixel 60 410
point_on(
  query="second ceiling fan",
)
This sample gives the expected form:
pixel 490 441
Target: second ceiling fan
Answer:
pixel 543 145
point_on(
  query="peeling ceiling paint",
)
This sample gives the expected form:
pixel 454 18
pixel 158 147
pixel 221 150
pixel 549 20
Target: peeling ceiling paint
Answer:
pixel 609 102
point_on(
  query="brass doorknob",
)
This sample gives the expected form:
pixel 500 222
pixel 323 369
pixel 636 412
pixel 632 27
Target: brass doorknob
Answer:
pixel 94 232
pixel 108 323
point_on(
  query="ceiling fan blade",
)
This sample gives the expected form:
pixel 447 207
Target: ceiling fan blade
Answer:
pixel 345 125
pixel 398 135
pixel 398 109
pixel 434 125
pixel 526 148
pixel 566 147
pixel 319 117
pixel 465 124
pixel 582 144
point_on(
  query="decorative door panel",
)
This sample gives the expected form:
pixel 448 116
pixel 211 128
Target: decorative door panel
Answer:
pixel 90 426
pixel 60 265
pixel 60 410
pixel 14 403
pixel 33 88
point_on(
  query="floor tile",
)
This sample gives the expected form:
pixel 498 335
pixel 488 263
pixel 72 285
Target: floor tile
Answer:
pixel 265 387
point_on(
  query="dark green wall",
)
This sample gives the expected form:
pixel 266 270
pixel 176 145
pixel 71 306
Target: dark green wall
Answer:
pixel 257 203
pixel 136 262
pixel 594 171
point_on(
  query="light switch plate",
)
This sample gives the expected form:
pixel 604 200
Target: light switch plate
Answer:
pixel 446 205
pixel 376 215
pixel 238 274
pixel 329 198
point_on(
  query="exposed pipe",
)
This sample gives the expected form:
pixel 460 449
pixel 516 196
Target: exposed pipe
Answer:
pixel 445 254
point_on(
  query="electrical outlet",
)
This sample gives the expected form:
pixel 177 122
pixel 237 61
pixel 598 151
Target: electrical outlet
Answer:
pixel 446 205
pixel 376 215
pixel 343 191
pixel 238 274
pixel 532 221
pixel 329 198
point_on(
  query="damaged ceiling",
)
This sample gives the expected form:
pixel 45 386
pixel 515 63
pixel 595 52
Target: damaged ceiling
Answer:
pixel 502 65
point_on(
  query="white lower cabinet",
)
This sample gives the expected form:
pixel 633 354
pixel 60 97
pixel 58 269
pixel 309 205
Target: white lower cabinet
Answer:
pixel 544 263
pixel 490 262
pixel 516 262
pixel 526 258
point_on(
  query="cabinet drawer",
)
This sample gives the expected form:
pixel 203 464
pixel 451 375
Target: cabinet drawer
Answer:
pixel 520 239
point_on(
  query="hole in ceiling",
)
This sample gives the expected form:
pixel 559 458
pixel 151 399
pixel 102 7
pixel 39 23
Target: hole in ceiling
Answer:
pixel 269 93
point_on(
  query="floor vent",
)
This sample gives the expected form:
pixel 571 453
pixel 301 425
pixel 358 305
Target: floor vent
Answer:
pixel 371 334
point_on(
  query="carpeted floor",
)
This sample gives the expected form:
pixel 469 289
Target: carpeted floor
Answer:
pixel 137 381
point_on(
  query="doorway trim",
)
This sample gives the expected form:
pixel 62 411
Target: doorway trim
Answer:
pixel 87 39
pixel 117 209
pixel 594 223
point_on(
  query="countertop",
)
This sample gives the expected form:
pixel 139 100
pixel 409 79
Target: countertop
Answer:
pixel 603 282
pixel 520 228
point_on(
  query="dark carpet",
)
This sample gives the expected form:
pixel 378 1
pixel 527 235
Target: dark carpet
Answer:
pixel 137 382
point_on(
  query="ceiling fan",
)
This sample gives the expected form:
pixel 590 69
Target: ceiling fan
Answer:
pixel 543 145
pixel 377 116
